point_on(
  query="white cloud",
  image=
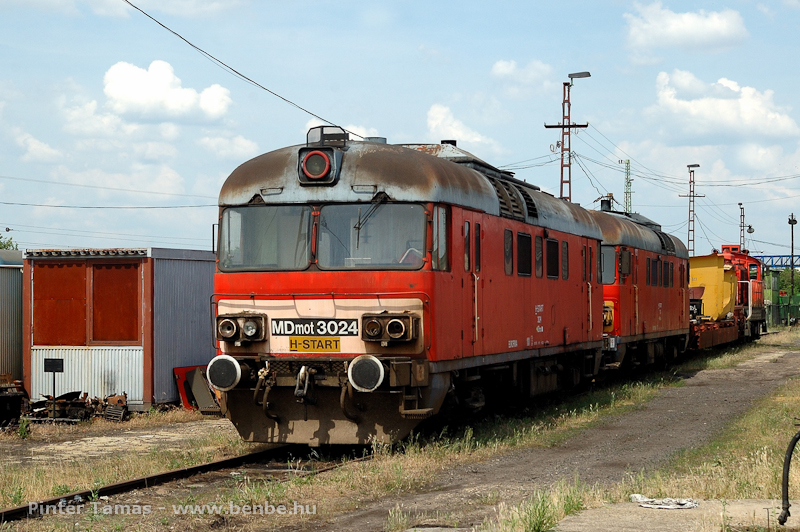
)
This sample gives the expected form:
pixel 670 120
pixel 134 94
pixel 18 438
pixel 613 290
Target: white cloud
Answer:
pixel 443 125
pixel 236 147
pixel 757 157
pixel 83 119
pixel 521 80
pixel 158 92
pixel 723 108
pixel 168 131
pixel 35 150
pixel 150 177
pixel 656 27
pixel 155 151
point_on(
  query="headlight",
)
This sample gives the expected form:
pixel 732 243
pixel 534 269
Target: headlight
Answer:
pixel 395 329
pixel 227 328
pixel 246 327
pixel 250 328
pixel 373 328
pixel 390 327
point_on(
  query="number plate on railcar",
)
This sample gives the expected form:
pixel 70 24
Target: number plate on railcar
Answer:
pixel 314 327
pixel 317 344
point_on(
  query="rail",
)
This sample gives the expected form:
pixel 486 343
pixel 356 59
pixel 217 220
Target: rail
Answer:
pixel 24 512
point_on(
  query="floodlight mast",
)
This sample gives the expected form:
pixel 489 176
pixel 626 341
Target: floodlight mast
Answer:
pixel 691 196
pixel 566 126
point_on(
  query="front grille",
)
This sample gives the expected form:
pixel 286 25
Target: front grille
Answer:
pixel 286 368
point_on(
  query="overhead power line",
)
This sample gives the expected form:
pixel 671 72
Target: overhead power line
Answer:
pixel 105 206
pixel 99 187
pixel 232 70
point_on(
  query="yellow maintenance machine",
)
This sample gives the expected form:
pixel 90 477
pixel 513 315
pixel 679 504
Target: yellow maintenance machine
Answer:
pixel 712 295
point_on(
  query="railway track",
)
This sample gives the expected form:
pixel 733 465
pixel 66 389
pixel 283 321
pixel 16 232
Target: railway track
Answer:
pixel 279 470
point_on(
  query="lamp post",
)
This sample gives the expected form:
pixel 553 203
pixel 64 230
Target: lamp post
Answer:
pixel 792 223
pixel 566 126
pixel 691 196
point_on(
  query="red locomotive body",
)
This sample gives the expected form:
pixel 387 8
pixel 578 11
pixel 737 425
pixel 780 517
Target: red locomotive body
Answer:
pixel 644 275
pixel 360 285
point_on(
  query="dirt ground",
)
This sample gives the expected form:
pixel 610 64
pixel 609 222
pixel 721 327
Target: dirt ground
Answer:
pixel 678 418
pixel 54 443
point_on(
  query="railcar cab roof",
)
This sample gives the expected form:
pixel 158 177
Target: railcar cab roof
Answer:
pixel 637 231
pixel 439 173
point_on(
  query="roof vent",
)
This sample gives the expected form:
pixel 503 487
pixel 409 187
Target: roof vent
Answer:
pixel 450 142
pixel 666 242
pixel 510 203
pixel 377 140
pixel 533 212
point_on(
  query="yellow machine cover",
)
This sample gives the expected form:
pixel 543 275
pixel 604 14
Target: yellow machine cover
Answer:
pixel 719 296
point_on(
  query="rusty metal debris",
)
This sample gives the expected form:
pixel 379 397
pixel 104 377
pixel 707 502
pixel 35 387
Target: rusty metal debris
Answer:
pixel 77 406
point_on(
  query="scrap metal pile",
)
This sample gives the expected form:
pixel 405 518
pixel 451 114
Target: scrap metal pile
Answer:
pixel 78 406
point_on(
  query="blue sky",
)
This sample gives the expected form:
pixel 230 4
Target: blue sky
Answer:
pixel 101 107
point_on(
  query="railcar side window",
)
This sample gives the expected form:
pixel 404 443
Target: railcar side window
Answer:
pixel 599 267
pixel 508 251
pixel 477 247
pixel 671 273
pixel 552 258
pixel 265 237
pixel 590 264
pixel 523 254
pixel 565 260
pixel 439 253
pixel 609 264
pixel 466 246
pixel 654 277
pixel 583 260
pixel 539 257
pixel 625 262
pixel 647 273
pixel 666 274
pixel 753 272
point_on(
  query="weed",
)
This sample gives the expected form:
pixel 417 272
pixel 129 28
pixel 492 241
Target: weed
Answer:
pixel 397 520
pixel 24 430
pixel 62 489
pixel 16 496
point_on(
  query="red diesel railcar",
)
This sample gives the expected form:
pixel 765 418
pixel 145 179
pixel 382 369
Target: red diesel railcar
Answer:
pixel 645 288
pixel 361 284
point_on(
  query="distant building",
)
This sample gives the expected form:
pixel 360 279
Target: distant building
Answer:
pixel 121 319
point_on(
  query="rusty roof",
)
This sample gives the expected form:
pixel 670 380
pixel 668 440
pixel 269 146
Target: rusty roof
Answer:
pixel 424 173
pixel 621 230
pixel 367 168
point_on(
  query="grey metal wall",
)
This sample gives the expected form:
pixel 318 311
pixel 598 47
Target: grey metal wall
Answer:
pixel 97 370
pixel 183 282
pixel 11 320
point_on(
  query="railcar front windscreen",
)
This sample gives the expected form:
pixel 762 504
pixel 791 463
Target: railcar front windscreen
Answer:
pixel 371 237
pixel 265 237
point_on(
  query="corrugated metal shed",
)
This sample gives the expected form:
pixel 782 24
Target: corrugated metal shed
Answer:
pixel 182 327
pixel 98 371
pixel 11 313
pixel 121 319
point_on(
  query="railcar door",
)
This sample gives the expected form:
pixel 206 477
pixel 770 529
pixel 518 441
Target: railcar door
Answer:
pixel 471 293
